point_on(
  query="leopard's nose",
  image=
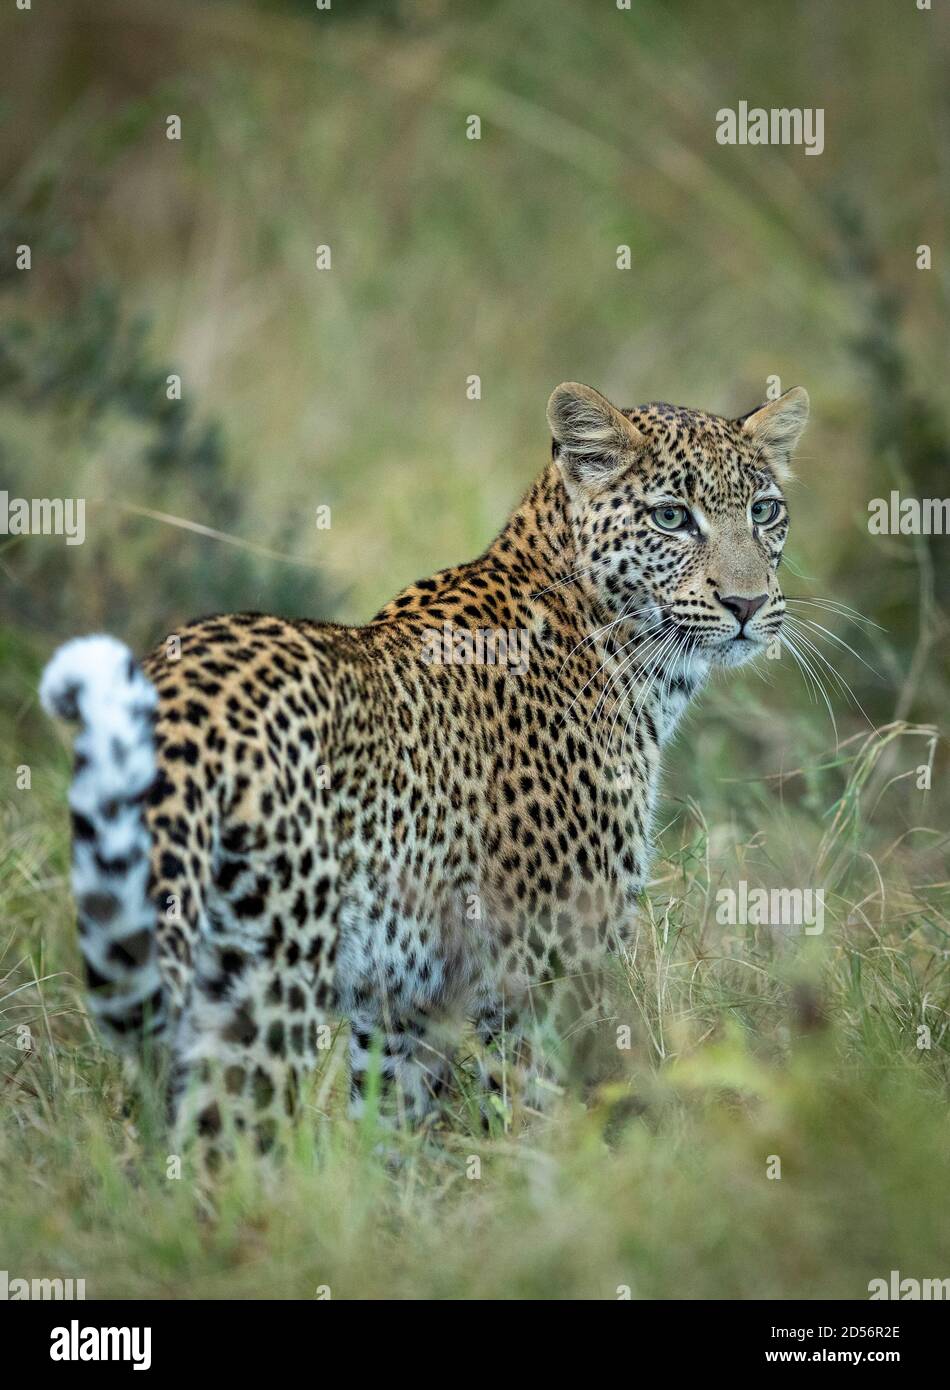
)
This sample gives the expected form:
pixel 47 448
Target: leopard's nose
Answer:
pixel 743 608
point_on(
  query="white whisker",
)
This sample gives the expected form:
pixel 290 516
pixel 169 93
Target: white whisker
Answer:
pixel 806 665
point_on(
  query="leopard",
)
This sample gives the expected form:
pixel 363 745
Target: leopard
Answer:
pixel 440 820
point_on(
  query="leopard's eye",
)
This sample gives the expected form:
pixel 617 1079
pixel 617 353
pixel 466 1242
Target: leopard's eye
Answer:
pixel 766 510
pixel 671 517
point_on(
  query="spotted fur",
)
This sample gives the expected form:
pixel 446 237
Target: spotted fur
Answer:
pixel 339 822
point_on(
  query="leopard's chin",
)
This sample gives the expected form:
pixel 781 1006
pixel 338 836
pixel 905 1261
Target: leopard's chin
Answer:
pixel 738 651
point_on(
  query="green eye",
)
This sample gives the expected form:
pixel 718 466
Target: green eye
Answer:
pixel 766 511
pixel 670 517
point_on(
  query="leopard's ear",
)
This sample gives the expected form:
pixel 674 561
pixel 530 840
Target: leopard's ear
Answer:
pixel 593 441
pixel 776 428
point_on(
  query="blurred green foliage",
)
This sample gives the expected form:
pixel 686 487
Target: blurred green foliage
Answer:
pixel 452 257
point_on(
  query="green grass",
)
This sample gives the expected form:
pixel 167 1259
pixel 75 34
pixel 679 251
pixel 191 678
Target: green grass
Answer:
pixel 301 389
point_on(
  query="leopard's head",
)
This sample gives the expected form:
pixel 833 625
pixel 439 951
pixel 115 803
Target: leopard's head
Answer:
pixel 679 519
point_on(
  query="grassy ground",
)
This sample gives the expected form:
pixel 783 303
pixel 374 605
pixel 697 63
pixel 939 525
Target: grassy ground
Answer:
pixel 347 389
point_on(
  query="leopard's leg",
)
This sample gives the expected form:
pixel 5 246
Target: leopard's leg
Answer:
pixel 513 1069
pixel 518 1072
pixel 413 1053
pixel 541 1041
pixel 242 1054
pixel 571 1032
pixel 255 1021
pixel 498 1031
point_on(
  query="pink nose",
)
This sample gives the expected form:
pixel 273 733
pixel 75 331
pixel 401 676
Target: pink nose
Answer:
pixel 743 608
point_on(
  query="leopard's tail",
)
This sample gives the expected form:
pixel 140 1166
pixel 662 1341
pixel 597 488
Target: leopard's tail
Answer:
pixel 96 681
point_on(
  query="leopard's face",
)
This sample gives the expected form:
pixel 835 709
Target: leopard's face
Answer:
pixel 680 520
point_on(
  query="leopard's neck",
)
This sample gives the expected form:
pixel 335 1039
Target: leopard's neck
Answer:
pixel 624 669
pixel 530 580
